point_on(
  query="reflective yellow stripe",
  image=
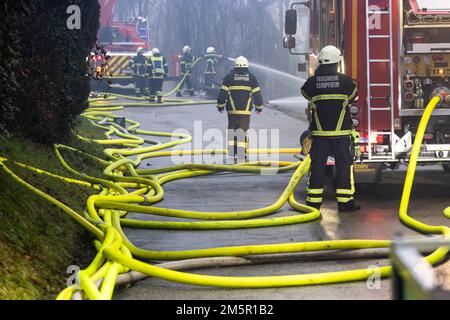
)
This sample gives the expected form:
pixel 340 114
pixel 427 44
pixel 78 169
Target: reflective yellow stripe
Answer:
pixel 238 112
pixel 225 88
pixel 314 200
pixel 242 145
pixel 331 133
pixel 345 192
pixel 342 116
pixel 259 107
pixel 353 94
pixel 316 118
pixel 315 191
pixel 256 90
pixel 249 103
pixel 344 200
pixel 330 97
pixel 242 88
pixel 221 105
pixel 305 95
pixel 352 179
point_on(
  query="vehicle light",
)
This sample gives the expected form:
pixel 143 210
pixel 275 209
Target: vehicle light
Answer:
pixel 416 60
pixel 374 138
pixel 407 60
pixel 355 123
pixel 357 99
pixel 380 138
pixel 441 72
pixel 363 149
pixel 428 137
pixel 435 57
pixel 354 110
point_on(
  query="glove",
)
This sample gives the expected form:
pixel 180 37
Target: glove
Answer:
pixel 307 145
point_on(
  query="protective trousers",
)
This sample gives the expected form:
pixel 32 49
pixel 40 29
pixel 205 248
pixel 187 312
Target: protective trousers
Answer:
pixel 140 83
pixel 238 126
pixel 339 148
pixel 209 80
pixel 188 83
pixel 156 85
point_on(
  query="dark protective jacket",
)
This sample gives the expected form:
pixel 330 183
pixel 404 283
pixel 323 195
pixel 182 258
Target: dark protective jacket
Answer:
pixel 139 65
pixel 211 62
pixel 330 94
pixel 186 63
pixel 240 90
pixel 158 67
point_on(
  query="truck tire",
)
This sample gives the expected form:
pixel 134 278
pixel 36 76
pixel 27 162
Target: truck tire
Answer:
pixel 446 167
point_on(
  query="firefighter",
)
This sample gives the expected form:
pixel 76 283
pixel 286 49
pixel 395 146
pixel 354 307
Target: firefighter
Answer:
pixel 211 61
pixel 186 68
pixel 139 66
pixel 158 69
pixel 330 94
pixel 239 92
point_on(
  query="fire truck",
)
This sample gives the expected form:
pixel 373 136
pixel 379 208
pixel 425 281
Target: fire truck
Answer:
pixel 398 51
pixel 121 39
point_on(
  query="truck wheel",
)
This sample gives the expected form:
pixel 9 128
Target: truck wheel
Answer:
pixel 446 167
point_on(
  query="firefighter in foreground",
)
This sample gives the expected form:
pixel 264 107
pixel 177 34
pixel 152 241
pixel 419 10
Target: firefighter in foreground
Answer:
pixel 330 94
pixel 157 69
pixel 139 66
pixel 212 59
pixel 239 92
pixel 186 68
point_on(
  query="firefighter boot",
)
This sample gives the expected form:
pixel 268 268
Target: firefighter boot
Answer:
pixel 349 206
pixel 159 99
pixel 179 94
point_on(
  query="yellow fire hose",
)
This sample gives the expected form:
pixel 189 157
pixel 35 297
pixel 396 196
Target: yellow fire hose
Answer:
pixel 106 214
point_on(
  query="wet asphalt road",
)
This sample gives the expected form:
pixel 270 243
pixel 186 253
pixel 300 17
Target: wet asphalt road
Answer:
pixel 228 192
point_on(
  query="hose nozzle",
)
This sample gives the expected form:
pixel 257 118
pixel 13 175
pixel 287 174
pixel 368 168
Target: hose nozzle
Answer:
pixel 444 94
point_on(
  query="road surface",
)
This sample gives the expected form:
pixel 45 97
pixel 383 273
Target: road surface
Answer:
pixel 228 192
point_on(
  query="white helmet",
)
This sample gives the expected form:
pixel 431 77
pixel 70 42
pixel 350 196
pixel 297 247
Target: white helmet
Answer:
pixel 156 51
pixel 241 62
pixel 211 50
pixel 186 49
pixel 140 50
pixel 330 55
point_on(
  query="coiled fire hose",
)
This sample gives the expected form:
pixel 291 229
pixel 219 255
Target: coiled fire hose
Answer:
pixel 129 189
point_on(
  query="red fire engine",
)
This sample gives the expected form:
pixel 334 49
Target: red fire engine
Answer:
pixel 121 40
pixel 399 53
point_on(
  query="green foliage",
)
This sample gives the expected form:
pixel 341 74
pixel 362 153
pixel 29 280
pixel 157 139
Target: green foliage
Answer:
pixel 43 66
pixel 37 240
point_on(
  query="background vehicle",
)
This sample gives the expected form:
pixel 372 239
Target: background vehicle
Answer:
pixel 121 40
pixel 399 53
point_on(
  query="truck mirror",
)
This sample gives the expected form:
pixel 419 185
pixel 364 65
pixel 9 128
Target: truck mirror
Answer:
pixel 289 42
pixel 290 24
pixel 302 67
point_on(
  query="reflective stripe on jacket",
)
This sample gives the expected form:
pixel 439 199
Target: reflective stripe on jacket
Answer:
pixel 158 67
pixel 330 94
pixel 240 90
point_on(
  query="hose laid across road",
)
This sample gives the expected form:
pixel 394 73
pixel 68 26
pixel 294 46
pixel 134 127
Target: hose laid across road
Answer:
pixel 129 189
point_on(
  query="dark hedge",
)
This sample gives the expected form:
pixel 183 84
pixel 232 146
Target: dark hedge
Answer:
pixel 43 67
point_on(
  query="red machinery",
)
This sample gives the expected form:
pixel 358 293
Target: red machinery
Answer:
pixel 121 40
pixel 119 36
pixel 399 53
